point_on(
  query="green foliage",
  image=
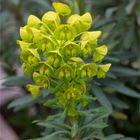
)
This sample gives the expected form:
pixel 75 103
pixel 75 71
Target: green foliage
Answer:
pixel 97 91
pixel 65 76
pixel 89 125
pixel 119 21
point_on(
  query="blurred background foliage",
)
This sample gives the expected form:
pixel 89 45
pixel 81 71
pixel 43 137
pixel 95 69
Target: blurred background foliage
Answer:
pixel 119 20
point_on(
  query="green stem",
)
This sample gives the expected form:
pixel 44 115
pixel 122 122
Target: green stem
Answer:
pixel 72 121
pixel 50 32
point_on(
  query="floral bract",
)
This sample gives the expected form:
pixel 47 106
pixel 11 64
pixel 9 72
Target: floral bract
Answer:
pixel 55 54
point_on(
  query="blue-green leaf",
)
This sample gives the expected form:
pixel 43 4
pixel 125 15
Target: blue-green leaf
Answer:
pixel 54 125
pixel 124 72
pixel 16 81
pixel 114 137
pixel 120 88
pixel 26 101
pixel 55 134
pixel 117 102
pixel 101 97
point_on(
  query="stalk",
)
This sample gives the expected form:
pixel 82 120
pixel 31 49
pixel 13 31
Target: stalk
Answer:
pixel 72 121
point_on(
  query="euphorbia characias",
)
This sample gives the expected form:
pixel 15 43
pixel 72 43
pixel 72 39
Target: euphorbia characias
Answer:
pixel 56 55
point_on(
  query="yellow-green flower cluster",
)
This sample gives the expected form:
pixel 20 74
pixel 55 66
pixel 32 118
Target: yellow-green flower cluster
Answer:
pixel 55 53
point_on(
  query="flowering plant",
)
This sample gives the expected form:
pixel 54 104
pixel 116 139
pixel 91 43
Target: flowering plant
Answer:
pixel 56 52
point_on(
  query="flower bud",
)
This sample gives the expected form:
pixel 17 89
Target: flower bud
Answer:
pixel 30 56
pixel 57 62
pixel 33 61
pixel 27 69
pixel 48 46
pixel 41 80
pixel 45 69
pixel 35 90
pixel 71 49
pixel 103 69
pixel 88 70
pixel 74 20
pixel 91 36
pixel 100 53
pixel 61 8
pixel 86 49
pixel 50 59
pixel 65 32
pixel 54 59
pixel 51 19
pixel 65 72
pixel 86 21
pixel 71 93
pixel 26 34
pixel 33 21
pixel 80 23
pixel 76 91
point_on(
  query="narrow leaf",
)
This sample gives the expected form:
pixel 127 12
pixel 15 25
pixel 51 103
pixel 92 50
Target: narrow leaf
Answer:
pixel 124 72
pixel 117 102
pixel 114 137
pixel 120 88
pixel 54 125
pixel 16 81
pixel 101 97
pixel 54 134
pixel 21 101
